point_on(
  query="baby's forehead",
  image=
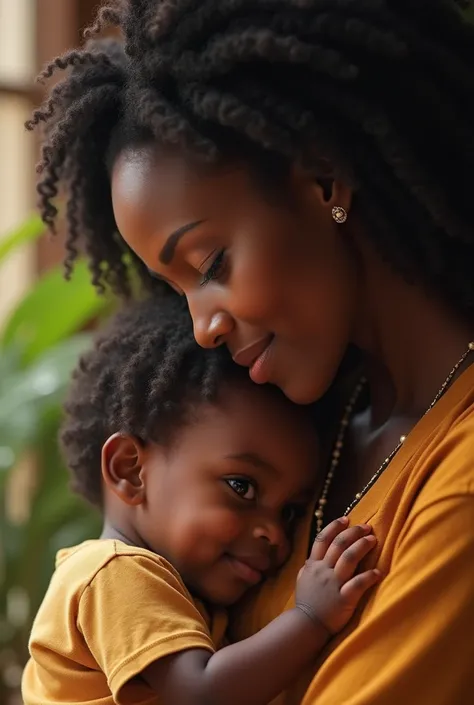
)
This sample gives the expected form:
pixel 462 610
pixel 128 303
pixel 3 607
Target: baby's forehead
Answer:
pixel 259 421
pixel 240 397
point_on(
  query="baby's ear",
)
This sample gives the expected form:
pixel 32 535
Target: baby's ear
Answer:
pixel 122 461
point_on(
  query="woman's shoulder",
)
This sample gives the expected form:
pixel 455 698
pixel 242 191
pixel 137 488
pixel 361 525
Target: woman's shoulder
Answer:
pixel 450 447
pixel 434 464
pixel 441 445
pixel 448 456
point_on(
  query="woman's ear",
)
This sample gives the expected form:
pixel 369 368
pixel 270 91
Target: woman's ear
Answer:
pixel 122 462
pixel 339 195
pixel 322 185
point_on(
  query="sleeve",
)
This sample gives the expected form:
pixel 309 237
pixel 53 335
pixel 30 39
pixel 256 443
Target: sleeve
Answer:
pixel 415 643
pixel 134 612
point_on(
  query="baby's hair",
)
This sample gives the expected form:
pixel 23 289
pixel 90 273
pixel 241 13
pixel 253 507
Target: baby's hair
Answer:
pixel 144 376
pixel 382 89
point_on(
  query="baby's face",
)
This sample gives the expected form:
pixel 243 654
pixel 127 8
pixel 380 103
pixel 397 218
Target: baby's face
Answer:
pixel 223 502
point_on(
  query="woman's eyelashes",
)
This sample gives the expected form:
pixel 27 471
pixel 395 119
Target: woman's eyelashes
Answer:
pixel 216 269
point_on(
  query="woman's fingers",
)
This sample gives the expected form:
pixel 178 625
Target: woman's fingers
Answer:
pixel 344 540
pixel 325 538
pixel 349 559
pixel 354 589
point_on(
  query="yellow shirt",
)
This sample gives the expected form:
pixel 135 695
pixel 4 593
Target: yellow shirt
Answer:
pixel 110 611
pixel 412 641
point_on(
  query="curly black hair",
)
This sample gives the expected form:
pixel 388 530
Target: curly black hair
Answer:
pixel 144 376
pixel 383 89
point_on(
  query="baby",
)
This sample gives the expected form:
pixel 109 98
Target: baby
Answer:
pixel 202 478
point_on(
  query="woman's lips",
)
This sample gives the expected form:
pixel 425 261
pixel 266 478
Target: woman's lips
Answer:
pixel 256 357
pixel 248 355
pixel 260 370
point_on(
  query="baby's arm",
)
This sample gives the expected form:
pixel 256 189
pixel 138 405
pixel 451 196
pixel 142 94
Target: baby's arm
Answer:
pixel 256 670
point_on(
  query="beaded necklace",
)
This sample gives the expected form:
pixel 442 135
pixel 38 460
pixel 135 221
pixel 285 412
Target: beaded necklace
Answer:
pixel 340 438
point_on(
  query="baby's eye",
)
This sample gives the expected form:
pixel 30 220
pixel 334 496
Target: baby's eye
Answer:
pixel 244 488
pixel 292 513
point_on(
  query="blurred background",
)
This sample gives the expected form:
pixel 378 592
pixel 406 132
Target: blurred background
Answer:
pixel 43 327
pixel 44 324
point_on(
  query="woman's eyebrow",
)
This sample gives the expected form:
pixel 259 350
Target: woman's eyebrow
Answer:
pixel 168 249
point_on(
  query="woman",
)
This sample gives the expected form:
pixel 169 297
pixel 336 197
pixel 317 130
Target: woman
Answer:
pixel 301 172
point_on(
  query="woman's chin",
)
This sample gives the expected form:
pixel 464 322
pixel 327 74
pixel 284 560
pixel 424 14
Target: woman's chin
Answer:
pixel 302 391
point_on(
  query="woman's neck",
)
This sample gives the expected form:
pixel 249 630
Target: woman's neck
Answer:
pixel 410 342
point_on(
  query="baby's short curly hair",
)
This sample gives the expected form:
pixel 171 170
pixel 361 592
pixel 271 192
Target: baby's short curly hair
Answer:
pixel 143 376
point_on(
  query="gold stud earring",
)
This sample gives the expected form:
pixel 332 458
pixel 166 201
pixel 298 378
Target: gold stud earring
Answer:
pixel 339 214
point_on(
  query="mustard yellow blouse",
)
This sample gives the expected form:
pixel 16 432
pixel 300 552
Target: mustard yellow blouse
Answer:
pixel 412 641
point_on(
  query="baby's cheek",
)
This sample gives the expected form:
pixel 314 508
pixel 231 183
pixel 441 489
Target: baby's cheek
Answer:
pixel 229 526
pixel 206 534
pixel 220 528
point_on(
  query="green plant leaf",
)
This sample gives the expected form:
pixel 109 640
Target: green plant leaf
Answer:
pixel 29 231
pixel 51 311
pixel 31 396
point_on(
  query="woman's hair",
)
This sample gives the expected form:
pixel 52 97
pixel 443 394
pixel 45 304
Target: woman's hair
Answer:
pixel 144 376
pixel 381 89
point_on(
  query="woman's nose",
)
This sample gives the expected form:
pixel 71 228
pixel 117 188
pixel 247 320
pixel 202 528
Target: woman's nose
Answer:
pixel 210 332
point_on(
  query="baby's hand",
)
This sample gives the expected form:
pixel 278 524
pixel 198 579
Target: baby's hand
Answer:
pixel 327 589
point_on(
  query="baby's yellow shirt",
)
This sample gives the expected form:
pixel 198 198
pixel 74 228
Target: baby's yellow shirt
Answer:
pixel 110 611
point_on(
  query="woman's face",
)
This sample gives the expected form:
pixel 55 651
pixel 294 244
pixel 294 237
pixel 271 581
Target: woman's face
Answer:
pixel 273 278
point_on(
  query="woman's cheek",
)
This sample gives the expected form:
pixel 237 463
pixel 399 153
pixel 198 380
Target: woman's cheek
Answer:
pixel 252 292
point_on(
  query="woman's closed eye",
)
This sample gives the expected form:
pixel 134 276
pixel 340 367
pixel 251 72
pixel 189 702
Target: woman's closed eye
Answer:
pixel 242 487
pixel 216 269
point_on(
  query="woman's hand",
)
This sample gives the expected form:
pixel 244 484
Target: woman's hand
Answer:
pixel 327 589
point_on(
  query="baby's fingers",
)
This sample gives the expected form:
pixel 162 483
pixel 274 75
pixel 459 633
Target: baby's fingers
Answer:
pixel 356 587
pixel 325 538
pixel 349 559
pixel 343 541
